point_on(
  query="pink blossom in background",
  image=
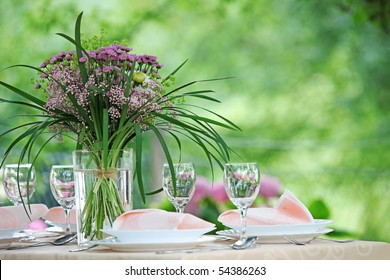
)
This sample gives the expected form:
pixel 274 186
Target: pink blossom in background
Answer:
pixel 202 189
pixel 269 187
pixel 218 193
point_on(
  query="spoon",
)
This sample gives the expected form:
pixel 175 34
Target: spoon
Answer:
pixel 244 243
pixel 238 245
pixel 57 242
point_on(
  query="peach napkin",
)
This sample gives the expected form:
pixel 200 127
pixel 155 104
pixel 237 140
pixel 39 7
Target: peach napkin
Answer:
pixel 57 215
pixel 288 210
pixel 16 217
pixel 155 219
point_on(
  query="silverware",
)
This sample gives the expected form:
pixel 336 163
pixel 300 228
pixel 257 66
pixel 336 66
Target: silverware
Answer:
pixel 197 250
pixel 83 248
pixel 297 242
pixel 238 245
pixel 57 242
pixel 244 243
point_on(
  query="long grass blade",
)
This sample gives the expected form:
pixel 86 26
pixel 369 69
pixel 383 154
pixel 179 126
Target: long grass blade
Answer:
pixel 138 160
pixel 168 157
pixel 174 71
pixel 23 94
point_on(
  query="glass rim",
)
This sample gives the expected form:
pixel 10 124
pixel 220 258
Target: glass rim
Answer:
pixel 13 165
pixel 62 166
pixel 240 163
pixel 89 151
pixel 179 163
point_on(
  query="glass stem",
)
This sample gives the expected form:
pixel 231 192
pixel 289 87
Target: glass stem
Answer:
pixel 180 209
pixel 243 222
pixel 67 220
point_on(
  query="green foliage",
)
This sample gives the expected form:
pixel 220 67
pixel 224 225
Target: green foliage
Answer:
pixel 310 93
pixel 319 209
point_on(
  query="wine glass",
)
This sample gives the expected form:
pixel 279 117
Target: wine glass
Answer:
pixel 185 184
pixel 19 182
pixel 63 190
pixel 242 184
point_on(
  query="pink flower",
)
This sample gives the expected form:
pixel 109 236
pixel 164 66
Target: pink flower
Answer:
pixel 218 193
pixel 106 69
pixel 202 189
pixel 269 187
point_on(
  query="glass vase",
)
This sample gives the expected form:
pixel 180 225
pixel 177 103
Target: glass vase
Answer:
pixel 104 190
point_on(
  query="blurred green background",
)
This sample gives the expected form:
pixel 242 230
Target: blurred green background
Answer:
pixel 311 90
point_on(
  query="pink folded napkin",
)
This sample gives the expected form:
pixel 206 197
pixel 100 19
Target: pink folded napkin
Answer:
pixel 57 215
pixel 16 217
pixel 288 210
pixel 155 219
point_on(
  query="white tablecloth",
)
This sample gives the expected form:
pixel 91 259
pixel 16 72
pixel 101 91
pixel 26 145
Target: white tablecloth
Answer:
pixel 317 250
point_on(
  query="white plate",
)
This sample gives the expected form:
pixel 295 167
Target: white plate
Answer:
pixel 40 233
pixel 7 236
pixel 270 230
pixel 278 238
pixel 19 233
pixel 73 227
pixel 152 247
pixel 157 236
pixel 8 233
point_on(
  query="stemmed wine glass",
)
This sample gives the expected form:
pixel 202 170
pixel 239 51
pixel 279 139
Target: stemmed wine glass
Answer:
pixel 242 184
pixel 19 182
pixel 63 190
pixel 185 184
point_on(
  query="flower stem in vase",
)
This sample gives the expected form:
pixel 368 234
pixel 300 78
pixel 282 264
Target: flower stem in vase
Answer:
pixel 103 204
pixel 103 194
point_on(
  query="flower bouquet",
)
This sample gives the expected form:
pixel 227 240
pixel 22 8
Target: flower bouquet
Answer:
pixel 105 98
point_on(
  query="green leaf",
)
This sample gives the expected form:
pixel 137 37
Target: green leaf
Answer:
pixel 23 94
pixel 167 155
pixel 79 49
pixel 234 126
pixel 138 160
pixel 22 104
pixel 319 209
pixel 17 127
pixel 174 71
pixel 194 82
pixel 105 138
pixel 26 66
pixel 204 119
pixel 155 192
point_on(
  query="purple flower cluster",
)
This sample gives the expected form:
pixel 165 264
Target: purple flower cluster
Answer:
pixel 108 70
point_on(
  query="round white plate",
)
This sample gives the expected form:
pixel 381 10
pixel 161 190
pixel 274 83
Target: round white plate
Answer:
pixel 278 238
pixel 116 245
pixel 73 227
pixel 271 230
pixel 158 236
pixel 8 233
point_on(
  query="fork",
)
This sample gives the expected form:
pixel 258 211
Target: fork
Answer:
pixel 297 242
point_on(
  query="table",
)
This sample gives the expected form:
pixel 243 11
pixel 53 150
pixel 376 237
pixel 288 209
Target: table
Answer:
pixel 317 250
